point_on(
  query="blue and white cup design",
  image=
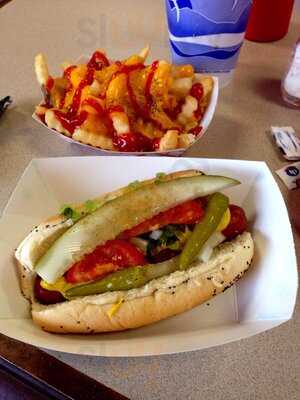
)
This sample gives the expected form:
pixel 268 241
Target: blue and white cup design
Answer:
pixel 207 33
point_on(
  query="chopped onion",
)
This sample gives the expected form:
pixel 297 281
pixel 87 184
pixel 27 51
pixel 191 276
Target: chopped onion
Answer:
pixel 155 235
pixel 206 251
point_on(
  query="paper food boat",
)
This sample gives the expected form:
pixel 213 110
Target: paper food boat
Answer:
pixel 205 122
pixel 262 299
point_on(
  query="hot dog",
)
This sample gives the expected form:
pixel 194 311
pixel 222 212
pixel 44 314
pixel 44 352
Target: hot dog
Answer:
pixel 143 253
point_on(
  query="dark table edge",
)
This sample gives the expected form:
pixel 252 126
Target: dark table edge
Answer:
pixel 4 2
pixel 32 382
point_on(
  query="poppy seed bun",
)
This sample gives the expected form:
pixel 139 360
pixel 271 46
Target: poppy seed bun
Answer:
pixel 166 297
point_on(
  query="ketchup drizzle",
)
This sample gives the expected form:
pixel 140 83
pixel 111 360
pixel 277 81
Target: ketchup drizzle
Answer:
pixel 197 92
pixel 71 121
pixel 143 112
pixel 155 144
pixel 98 61
pixel 49 84
pixel 42 118
pixel 131 141
pixel 67 72
pixel 198 113
pixel 196 131
pixel 126 69
pixel 67 75
pixel 173 114
pixel 104 114
pixel 77 95
pixel 116 108
pixel 94 103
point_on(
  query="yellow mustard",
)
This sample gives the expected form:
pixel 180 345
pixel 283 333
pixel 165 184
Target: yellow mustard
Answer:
pixel 114 308
pixel 224 221
pixel 61 285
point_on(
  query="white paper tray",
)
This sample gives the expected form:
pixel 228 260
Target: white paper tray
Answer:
pixel 263 299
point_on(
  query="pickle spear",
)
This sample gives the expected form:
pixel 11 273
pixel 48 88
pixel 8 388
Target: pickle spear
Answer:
pixel 120 214
pixel 216 208
pixel 129 278
pixel 135 277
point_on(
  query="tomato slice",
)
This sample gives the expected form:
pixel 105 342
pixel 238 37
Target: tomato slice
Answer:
pixel 189 212
pixel 105 259
pixel 238 222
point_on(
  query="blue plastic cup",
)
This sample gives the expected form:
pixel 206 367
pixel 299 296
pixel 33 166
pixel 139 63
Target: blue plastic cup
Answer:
pixel 208 34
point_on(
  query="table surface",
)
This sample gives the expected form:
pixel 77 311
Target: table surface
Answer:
pixel 264 366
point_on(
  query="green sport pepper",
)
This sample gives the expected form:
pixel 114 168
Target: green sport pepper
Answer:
pixel 129 278
pixel 216 207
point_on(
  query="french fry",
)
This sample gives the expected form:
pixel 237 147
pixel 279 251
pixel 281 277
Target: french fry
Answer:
pixel 185 140
pixel 169 140
pixel 123 97
pixel 188 109
pixel 41 69
pixel 120 122
pixel 144 52
pixel 54 123
pixel 93 139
